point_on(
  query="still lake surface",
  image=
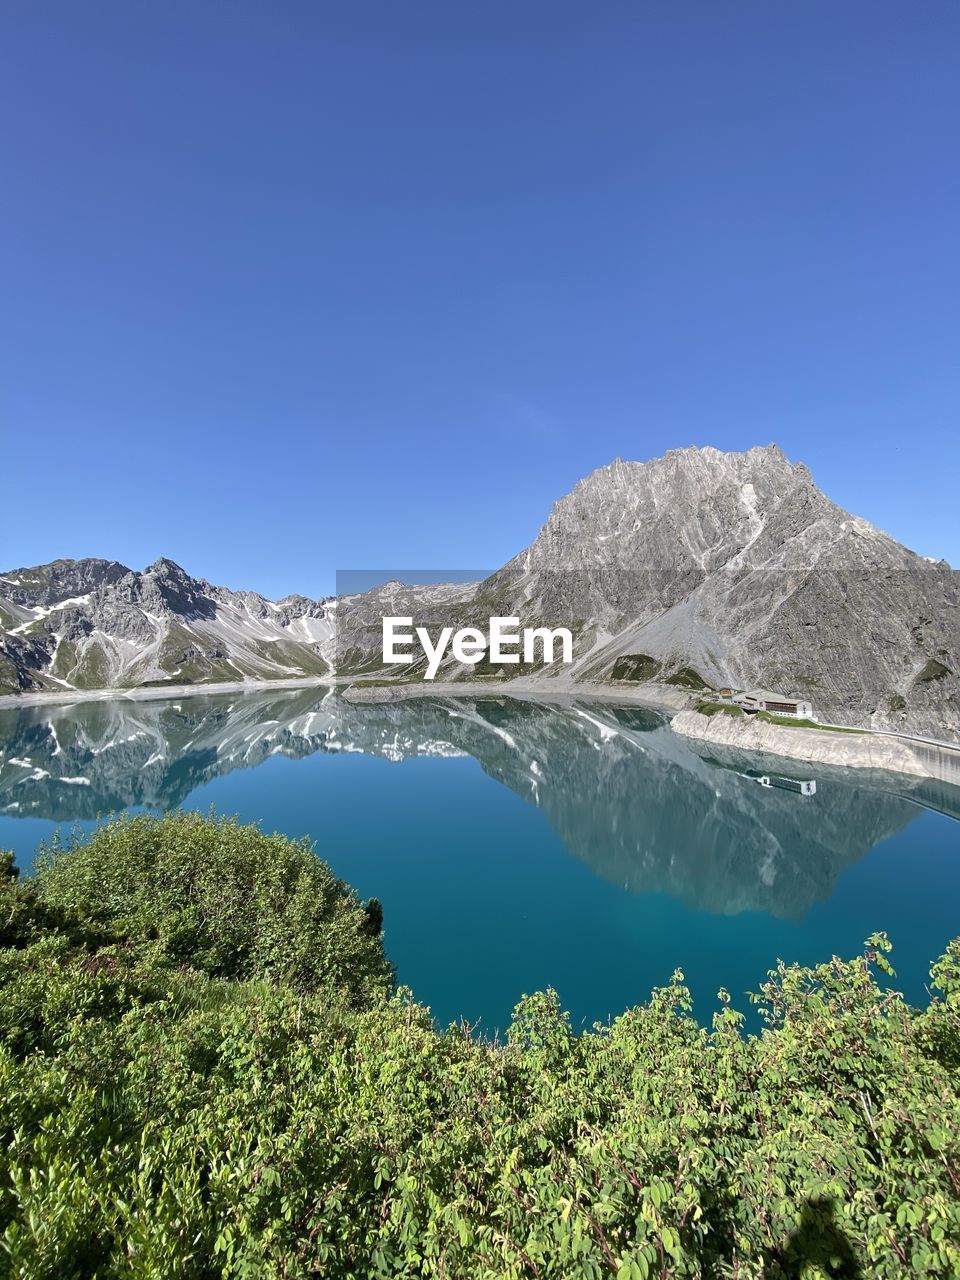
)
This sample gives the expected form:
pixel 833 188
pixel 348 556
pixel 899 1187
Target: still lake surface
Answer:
pixel 516 845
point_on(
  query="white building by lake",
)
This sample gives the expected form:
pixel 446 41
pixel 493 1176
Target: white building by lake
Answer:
pixel 777 704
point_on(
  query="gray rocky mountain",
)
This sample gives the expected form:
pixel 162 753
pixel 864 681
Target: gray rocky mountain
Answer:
pixel 699 568
pixel 94 624
pixel 704 568
pixel 734 567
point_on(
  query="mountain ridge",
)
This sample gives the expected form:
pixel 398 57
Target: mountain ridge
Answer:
pixel 94 623
pixel 734 567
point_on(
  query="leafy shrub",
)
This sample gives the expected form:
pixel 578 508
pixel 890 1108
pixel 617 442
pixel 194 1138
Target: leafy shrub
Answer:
pixel 162 1120
pixel 218 897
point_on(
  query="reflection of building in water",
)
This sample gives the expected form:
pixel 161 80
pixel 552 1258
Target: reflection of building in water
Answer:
pixel 802 786
pixel 799 786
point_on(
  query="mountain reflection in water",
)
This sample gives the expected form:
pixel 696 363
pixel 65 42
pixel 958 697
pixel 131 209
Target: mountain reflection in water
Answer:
pixel 633 801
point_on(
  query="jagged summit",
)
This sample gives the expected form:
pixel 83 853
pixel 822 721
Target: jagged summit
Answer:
pixel 700 508
pixel 701 458
pixel 166 568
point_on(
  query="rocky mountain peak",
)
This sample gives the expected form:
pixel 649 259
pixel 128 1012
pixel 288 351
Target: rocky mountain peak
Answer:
pixel 735 567
pixel 168 570
pixel 698 471
pixel 693 508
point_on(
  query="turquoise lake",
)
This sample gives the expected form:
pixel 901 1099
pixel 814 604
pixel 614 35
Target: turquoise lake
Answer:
pixel 516 845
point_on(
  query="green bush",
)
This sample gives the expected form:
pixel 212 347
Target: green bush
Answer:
pixel 165 1117
pixel 217 897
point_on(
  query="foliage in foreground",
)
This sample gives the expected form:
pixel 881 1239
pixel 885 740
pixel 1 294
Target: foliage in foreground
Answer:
pixel 201 1075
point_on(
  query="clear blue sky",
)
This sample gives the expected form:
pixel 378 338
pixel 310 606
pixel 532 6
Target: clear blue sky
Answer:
pixel 294 287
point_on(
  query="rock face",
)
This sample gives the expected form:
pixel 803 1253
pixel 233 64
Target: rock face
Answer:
pixel 697 568
pixel 735 568
pixel 92 624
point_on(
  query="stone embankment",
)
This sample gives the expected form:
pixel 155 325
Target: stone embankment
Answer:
pixel 867 750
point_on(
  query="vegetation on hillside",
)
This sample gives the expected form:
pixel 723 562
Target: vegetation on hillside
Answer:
pixel 707 708
pixel 687 678
pixel 635 667
pixel 797 722
pixel 203 1073
pixel 933 670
